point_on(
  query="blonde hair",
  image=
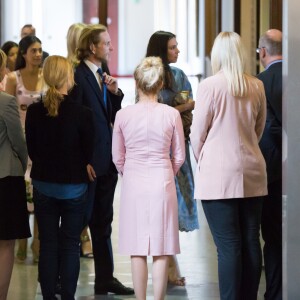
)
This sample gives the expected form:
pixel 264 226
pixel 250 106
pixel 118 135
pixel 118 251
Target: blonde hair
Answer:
pixel 228 55
pixel 73 35
pixel 57 72
pixel 89 35
pixel 149 75
pixel 3 59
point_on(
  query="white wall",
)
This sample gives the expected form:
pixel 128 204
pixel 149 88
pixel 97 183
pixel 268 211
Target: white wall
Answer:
pixel 136 24
pixel 50 18
pixel 138 20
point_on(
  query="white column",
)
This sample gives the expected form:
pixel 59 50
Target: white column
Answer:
pixel 291 167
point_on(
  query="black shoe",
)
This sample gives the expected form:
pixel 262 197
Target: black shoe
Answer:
pixel 113 286
pixel 58 289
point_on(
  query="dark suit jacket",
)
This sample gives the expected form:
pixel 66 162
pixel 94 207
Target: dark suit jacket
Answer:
pixel 271 142
pixel 87 92
pixel 45 55
pixel 60 147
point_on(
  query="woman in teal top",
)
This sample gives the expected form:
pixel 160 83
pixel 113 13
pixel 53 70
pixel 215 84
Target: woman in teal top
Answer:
pixel 177 92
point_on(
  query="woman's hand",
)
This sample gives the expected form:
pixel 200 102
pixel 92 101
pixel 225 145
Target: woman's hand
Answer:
pixel 91 172
pixel 191 104
pixel 188 106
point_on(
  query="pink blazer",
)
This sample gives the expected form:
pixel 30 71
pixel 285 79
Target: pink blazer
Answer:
pixel 224 136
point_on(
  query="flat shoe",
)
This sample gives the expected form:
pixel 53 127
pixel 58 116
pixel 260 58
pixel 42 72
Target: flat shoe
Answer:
pixel 87 255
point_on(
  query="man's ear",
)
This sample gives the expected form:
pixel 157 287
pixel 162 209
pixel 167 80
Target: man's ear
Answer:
pixel 263 52
pixel 92 48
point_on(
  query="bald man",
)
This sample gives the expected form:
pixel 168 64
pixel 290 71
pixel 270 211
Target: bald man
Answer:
pixel 28 29
pixel 270 54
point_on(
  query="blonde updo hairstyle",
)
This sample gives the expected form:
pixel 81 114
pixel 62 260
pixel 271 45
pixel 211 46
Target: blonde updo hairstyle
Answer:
pixel 57 71
pixel 149 75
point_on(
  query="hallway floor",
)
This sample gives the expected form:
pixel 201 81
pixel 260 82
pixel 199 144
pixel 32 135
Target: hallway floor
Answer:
pixel 197 261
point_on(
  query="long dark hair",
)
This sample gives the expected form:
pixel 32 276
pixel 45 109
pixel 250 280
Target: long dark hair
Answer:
pixel 8 45
pixel 158 46
pixel 24 44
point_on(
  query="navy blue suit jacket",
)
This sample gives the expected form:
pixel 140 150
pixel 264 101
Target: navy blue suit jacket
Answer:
pixel 87 92
pixel 271 141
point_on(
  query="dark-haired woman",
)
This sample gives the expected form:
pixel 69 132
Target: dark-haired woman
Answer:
pixel 164 45
pixel 26 84
pixel 11 50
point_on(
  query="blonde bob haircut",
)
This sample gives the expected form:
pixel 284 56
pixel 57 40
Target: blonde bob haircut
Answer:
pixel 57 72
pixel 149 75
pixel 3 59
pixel 228 55
pixel 73 36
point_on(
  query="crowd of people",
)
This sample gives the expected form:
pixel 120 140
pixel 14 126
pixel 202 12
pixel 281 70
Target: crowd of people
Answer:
pixel 66 113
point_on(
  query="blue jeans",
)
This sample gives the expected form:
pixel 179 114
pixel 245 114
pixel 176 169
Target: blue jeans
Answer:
pixel 60 223
pixel 235 226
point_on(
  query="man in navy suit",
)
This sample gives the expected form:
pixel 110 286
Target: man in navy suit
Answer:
pixel 270 54
pixel 99 91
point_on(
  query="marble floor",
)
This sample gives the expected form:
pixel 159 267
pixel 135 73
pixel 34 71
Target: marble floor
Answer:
pixel 197 261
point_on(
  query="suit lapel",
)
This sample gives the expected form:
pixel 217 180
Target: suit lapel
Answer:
pixel 90 77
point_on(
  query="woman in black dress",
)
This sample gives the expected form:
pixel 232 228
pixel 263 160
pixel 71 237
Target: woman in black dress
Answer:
pixel 14 223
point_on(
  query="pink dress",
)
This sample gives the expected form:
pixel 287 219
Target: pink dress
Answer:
pixel 144 134
pixel 25 97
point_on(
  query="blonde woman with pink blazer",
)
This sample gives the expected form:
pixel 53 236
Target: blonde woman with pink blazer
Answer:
pixel 230 179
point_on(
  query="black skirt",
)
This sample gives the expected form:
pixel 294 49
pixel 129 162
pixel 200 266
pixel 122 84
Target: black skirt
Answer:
pixel 14 220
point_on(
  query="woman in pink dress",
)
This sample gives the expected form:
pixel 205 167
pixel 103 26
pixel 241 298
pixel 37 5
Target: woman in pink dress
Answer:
pixel 10 48
pixel 27 85
pixel 148 150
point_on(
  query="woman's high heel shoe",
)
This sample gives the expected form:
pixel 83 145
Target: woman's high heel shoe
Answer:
pixel 86 250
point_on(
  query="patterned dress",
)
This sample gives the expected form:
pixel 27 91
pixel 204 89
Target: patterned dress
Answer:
pixel 24 99
pixel 187 205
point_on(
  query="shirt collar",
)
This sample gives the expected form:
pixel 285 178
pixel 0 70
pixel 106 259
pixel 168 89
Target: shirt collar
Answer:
pixel 91 66
pixel 272 63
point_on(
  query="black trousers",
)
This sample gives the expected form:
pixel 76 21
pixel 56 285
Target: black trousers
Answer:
pixel 271 227
pixel 101 193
